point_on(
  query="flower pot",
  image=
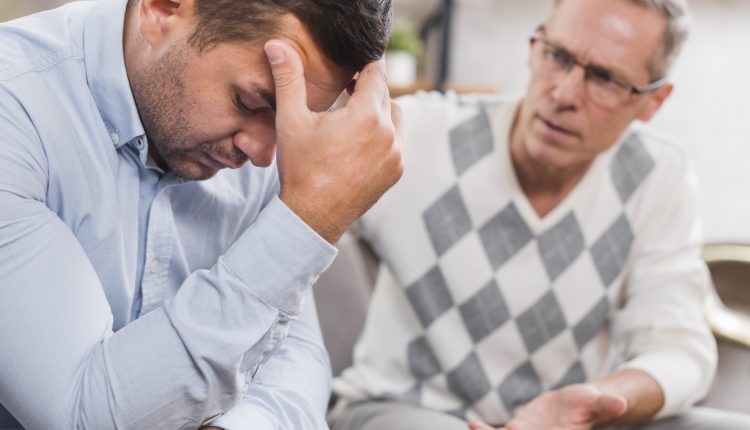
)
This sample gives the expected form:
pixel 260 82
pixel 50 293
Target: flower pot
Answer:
pixel 401 68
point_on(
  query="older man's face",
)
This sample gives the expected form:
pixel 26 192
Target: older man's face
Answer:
pixel 560 124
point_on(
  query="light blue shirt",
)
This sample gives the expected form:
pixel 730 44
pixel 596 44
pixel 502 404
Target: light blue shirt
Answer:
pixel 130 298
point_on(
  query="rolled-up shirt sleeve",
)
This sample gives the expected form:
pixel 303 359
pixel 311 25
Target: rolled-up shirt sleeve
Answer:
pixel 61 365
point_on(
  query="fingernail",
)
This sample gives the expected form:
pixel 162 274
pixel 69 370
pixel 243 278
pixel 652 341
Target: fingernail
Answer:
pixel 275 54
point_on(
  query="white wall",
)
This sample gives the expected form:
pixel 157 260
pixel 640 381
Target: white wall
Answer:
pixel 10 9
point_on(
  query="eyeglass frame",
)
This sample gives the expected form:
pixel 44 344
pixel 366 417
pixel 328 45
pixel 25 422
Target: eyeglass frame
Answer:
pixel 573 61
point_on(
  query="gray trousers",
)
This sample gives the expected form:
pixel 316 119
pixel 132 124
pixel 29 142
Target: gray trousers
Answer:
pixel 395 416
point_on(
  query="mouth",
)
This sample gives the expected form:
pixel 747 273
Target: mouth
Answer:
pixel 219 164
pixel 557 128
pixel 210 162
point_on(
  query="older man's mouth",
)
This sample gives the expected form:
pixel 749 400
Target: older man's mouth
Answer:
pixel 558 128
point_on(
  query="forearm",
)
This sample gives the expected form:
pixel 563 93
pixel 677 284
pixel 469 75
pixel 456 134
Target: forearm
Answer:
pixel 661 330
pixel 643 394
pixel 175 366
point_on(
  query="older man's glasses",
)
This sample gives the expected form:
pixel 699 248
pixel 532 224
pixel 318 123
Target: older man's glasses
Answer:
pixel 603 87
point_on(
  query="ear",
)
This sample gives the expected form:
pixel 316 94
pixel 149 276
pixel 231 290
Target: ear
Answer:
pixel 162 20
pixel 655 99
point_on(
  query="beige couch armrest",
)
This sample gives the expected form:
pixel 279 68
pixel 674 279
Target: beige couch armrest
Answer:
pixel 725 322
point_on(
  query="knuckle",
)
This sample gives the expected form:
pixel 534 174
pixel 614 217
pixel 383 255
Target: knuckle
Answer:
pixel 396 159
pixel 389 134
pixel 381 76
pixel 400 168
pixel 370 118
pixel 377 71
pixel 397 115
pixel 396 109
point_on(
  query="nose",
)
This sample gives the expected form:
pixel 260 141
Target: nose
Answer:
pixel 570 86
pixel 260 148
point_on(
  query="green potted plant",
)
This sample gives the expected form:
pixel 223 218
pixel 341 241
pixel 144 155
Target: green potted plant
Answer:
pixel 401 56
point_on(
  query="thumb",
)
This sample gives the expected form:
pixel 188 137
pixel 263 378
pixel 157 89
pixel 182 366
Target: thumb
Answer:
pixel 610 406
pixel 289 78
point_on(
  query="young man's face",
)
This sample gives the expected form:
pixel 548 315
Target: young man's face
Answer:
pixel 205 111
pixel 561 125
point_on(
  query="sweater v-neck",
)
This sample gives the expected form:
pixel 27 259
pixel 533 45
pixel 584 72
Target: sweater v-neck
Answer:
pixel 503 122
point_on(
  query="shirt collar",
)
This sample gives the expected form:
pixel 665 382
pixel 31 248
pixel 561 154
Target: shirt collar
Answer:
pixel 105 68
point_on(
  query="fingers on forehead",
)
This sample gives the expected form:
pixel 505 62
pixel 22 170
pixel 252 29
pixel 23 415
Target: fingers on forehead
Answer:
pixel 372 82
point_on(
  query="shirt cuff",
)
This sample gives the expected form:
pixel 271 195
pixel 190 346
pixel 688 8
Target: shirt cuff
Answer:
pixel 279 257
pixel 678 375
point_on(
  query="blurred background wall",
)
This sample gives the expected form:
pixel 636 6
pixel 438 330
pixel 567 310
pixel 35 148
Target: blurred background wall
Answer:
pixel 708 114
pixel 10 9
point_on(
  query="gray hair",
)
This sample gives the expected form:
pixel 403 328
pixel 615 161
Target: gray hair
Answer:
pixel 677 14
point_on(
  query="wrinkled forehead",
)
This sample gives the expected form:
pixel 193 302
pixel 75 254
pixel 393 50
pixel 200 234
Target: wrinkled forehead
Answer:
pixel 244 63
pixel 325 79
pixel 610 33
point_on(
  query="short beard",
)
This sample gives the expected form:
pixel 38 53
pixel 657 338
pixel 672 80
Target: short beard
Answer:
pixel 159 91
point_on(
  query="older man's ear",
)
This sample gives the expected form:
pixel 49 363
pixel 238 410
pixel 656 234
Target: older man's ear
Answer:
pixel 655 100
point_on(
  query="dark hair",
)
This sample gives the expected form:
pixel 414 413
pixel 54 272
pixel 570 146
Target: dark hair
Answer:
pixel 351 33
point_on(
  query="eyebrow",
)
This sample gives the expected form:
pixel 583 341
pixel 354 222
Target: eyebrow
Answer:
pixel 270 97
pixel 267 95
pixel 614 70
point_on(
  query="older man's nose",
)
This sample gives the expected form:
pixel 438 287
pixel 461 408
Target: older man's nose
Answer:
pixel 570 87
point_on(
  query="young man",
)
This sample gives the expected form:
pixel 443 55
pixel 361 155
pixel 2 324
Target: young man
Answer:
pixel 542 265
pixel 143 285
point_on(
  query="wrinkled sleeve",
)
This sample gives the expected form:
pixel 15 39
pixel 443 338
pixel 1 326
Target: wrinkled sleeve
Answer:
pixel 292 389
pixel 61 366
pixel 661 330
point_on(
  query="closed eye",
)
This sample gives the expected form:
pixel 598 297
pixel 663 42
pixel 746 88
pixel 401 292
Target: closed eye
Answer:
pixel 243 108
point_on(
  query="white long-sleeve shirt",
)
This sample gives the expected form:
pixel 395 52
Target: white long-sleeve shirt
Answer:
pixel 129 298
pixel 481 304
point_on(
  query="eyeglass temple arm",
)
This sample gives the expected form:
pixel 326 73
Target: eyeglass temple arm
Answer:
pixel 650 87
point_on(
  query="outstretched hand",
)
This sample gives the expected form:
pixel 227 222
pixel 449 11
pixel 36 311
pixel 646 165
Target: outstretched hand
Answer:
pixel 575 407
pixel 333 166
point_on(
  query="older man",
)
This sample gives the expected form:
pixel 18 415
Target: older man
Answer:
pixel 542 264
pixel 149 276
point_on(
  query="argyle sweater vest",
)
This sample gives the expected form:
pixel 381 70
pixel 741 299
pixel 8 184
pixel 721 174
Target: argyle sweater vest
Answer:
pixel 481 305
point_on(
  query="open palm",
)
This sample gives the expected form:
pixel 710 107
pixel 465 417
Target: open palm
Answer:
pixel 576 407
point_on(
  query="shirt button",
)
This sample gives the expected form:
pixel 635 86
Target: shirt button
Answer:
pixel 154 266
pixel 115 138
